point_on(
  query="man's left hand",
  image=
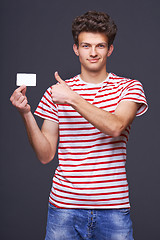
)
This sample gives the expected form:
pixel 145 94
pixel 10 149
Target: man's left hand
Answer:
pixel 61 93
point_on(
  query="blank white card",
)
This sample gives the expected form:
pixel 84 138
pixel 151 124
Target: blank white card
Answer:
pixel 28 79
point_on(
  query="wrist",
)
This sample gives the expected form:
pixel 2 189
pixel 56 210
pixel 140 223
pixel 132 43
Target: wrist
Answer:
pixel 25 115
pixel 74 99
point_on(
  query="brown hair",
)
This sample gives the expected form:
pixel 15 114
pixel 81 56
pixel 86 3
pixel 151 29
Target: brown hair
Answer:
pixel 93 21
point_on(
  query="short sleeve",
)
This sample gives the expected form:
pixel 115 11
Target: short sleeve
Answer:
pixel 46 108
pixel 133 91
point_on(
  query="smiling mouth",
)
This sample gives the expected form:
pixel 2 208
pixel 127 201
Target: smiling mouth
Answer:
pixel 94 60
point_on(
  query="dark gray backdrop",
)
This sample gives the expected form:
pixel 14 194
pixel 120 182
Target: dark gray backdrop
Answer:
pixel 36 38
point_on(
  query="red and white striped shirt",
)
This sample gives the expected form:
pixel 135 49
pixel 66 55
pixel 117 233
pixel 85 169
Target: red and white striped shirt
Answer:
pixel 91 171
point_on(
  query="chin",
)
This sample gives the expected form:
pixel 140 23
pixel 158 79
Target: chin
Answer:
pixel 94 69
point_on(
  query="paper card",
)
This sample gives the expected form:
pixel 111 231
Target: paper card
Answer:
pixel 28 79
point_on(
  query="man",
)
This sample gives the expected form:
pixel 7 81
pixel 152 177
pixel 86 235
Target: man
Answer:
pixel 91 114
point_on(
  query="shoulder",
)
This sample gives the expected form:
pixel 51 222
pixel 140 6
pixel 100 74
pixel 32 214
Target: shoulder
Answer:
pixel 124 81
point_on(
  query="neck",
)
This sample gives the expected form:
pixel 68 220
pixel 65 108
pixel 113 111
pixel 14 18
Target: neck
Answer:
pixel 93 77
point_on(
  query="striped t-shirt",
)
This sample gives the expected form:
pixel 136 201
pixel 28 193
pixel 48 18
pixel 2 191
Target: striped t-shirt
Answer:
pixel 91 171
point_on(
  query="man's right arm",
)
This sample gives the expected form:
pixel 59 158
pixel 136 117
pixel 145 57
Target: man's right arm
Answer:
pixel 44 141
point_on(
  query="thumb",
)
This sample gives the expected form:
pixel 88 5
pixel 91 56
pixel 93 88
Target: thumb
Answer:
pixel 24 90
pixel 58 78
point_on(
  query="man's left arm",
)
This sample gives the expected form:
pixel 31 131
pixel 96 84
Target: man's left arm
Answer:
pixel 108 123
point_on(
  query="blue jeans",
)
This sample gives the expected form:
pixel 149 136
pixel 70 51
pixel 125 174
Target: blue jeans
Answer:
pixel 80 224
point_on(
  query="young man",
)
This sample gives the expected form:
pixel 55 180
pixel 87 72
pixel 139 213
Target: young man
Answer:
pixel 91 114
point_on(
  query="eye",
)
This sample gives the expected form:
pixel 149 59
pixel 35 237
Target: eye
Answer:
pixel 85 46
pixel 101 46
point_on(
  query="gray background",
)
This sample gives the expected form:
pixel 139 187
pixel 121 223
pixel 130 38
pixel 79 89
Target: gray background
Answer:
pixel 36 38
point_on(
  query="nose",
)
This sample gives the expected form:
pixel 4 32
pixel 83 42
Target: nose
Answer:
pixel 93 52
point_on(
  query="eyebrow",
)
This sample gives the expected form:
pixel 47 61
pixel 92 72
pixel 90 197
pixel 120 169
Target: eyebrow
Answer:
pixel 96 44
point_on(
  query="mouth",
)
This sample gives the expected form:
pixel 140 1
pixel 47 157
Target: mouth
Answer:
pixel 93 60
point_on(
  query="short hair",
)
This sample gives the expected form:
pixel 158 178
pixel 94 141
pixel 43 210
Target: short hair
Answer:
pixel 93 21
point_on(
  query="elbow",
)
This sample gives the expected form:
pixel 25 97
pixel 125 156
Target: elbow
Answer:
pixel 45 155
pixel 45 159
pixel 44 162
pixel 117 130
pixel 116 133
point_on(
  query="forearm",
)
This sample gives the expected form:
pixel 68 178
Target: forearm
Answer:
pixel 37 139
pixel 106 122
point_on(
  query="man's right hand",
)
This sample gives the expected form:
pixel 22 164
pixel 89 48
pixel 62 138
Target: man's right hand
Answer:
pixel 19 100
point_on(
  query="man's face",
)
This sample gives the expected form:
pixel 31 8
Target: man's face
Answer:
pixel 93 51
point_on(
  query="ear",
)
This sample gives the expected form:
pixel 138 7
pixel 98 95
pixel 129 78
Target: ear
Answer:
pixel 110 50
pixel 75 49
